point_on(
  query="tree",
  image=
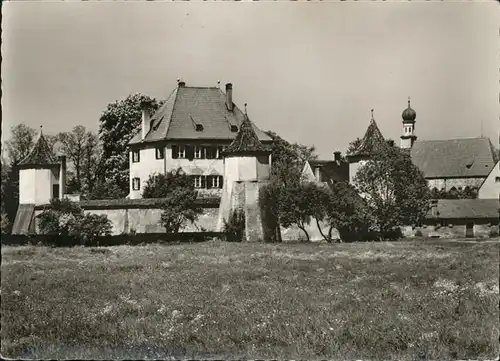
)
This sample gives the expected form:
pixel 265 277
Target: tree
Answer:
pixel 287 164
pixel 160 185
pixel 118 124
pixel 21 142
pixel 353 146
pixel 341 207
pixel 288 159
pixel 179 208
pixel 107 189
pixel 82 150
pixel 394 188
pixel 296 206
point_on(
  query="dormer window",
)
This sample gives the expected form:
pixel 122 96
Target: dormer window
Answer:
pixel 199 128
pixel 234 128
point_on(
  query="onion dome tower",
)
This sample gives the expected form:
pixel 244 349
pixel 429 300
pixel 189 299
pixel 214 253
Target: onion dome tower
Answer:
pixel 408 137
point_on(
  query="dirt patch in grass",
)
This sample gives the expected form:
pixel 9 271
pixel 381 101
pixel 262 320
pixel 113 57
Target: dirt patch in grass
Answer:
pixel 407 300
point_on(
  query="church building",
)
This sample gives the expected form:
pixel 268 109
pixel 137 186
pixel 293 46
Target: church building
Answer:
pixel 449 164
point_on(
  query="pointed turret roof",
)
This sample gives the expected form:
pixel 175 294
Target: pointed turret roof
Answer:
pixel 372 141
pixel 41 155
pixel 246 140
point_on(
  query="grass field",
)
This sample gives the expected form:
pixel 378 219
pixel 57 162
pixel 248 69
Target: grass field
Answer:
pixel 407 300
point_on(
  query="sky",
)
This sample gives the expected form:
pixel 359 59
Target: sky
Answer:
pixel 310 71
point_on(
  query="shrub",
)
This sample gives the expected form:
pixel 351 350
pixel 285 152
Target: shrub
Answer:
pixel 234 228
pixel 418 233
pixel 494 232
pixel 160 185
pixel 67 219
pixel 179 208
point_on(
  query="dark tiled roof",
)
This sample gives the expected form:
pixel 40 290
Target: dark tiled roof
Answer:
pixel 246 140
pixel 188 106
pixel 466 208
pixel 331 170
pixel 134 203
pixel 453 157
pixel 23 219
pixel 40 155
pixel 371 142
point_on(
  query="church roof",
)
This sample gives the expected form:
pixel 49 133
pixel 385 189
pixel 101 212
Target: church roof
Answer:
pixel 196 113
pixel 40 155
pixel 246 140
pixel 371 142
pixel 454 158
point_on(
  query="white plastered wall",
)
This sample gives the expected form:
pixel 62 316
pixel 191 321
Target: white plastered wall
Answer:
pixel 35 186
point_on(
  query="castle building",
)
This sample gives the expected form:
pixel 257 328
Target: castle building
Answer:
pixel 41 177
pixel 247 167
pixel 447 165
pixel 326 171
pixel 190 131
pixel 370 143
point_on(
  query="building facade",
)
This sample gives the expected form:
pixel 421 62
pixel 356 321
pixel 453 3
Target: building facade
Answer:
pixel 190 131
pixel 326 171
pixel 490 189
pixel 447 165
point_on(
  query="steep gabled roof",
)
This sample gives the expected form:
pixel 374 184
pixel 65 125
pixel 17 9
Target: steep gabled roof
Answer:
pixel 41 155
pixel 187 107
pixel 246 140
pixel 371 142
pixel 454 158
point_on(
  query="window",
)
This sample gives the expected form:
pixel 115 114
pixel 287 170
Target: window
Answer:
pixel 199 181
pixel 160 153
pixel 211 152
pixel 199 152
pixel 208 181
pixel 136 184
pixel 215 181
pixel 497 179
pixel 135 156
pixel 178 151
pixel 220 149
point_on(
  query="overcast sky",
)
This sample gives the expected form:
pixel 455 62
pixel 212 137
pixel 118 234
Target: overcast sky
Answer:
pixel 309 71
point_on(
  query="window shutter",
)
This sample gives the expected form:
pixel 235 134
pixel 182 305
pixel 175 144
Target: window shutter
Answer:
pixel 209 181
pixel 190 152
pixel 203 181
pixel 221 181
pixel 220 152
pixel 175 151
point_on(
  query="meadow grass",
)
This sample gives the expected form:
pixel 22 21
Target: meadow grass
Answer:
pixel 399 300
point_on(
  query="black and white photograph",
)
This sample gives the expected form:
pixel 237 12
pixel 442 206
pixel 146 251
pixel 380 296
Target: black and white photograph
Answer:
pixel 233 180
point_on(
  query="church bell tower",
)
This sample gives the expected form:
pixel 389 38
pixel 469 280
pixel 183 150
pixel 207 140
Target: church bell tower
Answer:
pixel 408 137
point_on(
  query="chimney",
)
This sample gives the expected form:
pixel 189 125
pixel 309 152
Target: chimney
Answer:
pixel 145 120
pixel 434 208
pixel 336 156
pixel 317 174
pixel 62 176
pixel 229 96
